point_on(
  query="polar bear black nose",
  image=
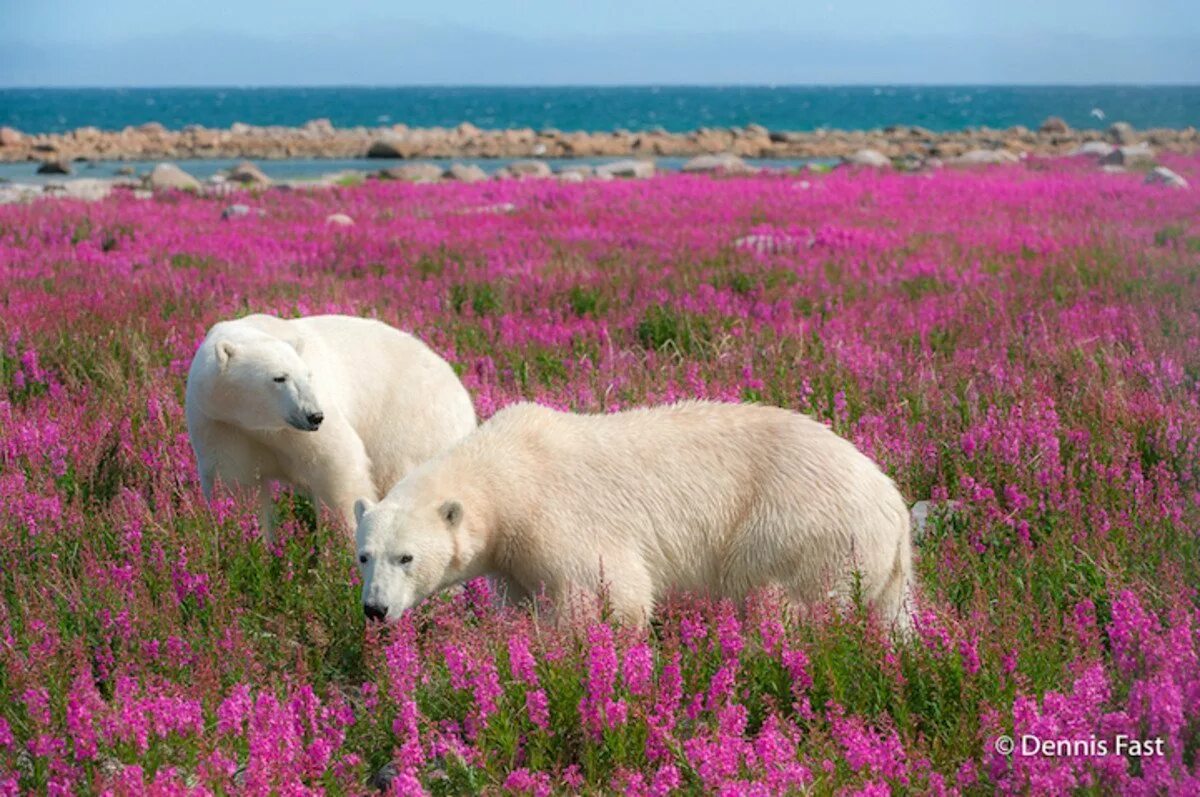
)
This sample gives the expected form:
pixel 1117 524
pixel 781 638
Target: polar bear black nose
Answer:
pixel 374 611
pixel 315 418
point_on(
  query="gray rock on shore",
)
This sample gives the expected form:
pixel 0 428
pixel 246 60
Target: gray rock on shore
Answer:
pixel 466 173
pixel 529 168
pixel 1121 133
pixel 871 158
pixel 55 167
pixel 984 157
pixel 247 173
pixel 1130 156
pixel 170 176
pixel 1161 175
pixel 725 162
pixel 1092 149
pixel 414 173
pixel 626 168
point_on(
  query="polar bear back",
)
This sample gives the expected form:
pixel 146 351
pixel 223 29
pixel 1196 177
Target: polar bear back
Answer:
pixel 715 498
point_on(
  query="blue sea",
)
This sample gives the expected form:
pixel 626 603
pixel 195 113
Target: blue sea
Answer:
pixel 674 108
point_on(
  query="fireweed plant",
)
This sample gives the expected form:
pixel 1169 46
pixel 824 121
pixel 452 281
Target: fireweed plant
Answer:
pixel 1020 345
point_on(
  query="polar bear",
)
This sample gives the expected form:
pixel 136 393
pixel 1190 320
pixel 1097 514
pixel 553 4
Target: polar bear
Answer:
pixel 341 407
pixel 709 498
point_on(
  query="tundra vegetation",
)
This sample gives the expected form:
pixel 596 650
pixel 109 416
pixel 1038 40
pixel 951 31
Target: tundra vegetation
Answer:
pixel 1018 344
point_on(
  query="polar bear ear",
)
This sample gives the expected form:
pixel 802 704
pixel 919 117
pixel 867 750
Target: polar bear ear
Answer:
pixel 225 350
pixel 297 344
pixel 451 512
pixel 361 507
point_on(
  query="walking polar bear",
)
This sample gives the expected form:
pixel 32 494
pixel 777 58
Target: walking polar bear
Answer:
pixel 716 499
pixel 341 407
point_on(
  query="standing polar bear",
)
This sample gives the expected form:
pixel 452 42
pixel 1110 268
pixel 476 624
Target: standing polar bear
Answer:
pixel 339 406
pixel 717 499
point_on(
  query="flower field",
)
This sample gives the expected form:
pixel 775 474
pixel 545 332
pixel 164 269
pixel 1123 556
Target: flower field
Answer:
pixel 1020 345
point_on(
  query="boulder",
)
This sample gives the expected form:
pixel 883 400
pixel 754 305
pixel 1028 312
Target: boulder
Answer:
pixel 89 189
pixel 235 212
pixel 319 127
pixel 170 176
pixel 414 173
pixel 392 146
pixel 627 168
pixel 725 162
pixel 466 173
pixel 55 167
pixel 576 172
pixel 1092 149
pixel 247 173
pixel 339 220
pixel 10 137
pixel 872 158
pixel 1130 156
pixel 984 157
pixel 529 168
pixel 1161 175
pixel 1055 125
pixel 1121 133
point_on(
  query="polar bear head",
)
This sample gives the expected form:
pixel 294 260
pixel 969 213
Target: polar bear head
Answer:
pixel 263 384
pixel 410 545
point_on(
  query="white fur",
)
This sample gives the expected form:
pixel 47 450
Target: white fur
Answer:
pixel 389 403
pixel 717 499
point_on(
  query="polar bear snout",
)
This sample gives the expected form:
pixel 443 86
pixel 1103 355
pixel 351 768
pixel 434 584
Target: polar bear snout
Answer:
pixel 374 611
pixel 307 422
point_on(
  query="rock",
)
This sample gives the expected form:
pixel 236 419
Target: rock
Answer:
pixel 1111 168
pixel 1093 149
pixel 18 192
pixel 725 162
pixel 1121 133
pixel 1055 125
pixel 984 157
pixel 872 158
pixel 235 212
pixel 319 127
pixel 627 168
pixel 529 168
pixel 786 137
pixel 339 220
pixel 10 137
pixel 151 129
pixel 413 173
pixel 55 167
pixel 465 172
pixel 392 146
pixel 89 189
pixel 1131 156
pixel 1161 175
pixel 142 193
pixel 240 129
pixel 383 778
pixel 170 176
pixel 576 173
pixel 921 511
pixel 771 243
pixel 247 173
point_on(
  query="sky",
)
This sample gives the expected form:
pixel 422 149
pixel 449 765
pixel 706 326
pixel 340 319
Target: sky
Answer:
pixel 621 42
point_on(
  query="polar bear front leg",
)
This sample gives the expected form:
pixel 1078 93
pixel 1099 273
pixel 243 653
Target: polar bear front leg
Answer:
pixel 343 470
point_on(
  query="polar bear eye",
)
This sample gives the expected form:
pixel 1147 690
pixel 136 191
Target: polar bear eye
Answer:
pixel 280 379
pixel 403 559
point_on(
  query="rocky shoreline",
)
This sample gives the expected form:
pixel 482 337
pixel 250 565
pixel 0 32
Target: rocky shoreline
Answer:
pixel 320 139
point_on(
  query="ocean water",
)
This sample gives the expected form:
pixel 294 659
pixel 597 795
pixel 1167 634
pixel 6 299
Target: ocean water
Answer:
pixel 609 108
